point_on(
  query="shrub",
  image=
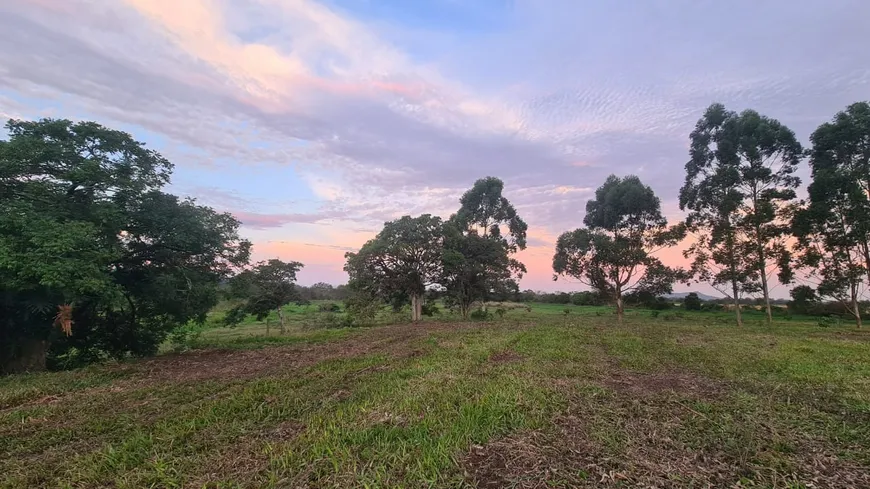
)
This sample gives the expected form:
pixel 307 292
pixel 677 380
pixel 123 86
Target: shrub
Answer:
pixel 430 309
pixel 692 302
pixel 479 315
pixel 654 314
pixel 566 311
pixel 829 321
pixel 329 307
pixel 500 312
pixel 331 320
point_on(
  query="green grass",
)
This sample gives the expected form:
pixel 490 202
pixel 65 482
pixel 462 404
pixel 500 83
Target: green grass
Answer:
pixel 539 398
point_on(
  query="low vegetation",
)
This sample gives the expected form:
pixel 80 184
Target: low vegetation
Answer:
pixel 546 395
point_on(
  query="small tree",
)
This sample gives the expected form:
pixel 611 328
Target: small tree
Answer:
pixel 614 253
pixel 692 302
pixel 402 260
pixel 268 286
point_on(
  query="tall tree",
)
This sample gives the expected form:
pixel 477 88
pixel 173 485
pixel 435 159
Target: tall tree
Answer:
pixel 833 228
pixel 86 231
pixel 739 182
pixel 479 244
pixel 268 286
pixel 404 258
pixel 614 254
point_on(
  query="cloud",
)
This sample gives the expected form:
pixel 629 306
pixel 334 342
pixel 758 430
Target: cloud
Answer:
pixel 550 95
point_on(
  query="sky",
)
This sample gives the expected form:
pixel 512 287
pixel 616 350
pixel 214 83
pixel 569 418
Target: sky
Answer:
pixel 314 122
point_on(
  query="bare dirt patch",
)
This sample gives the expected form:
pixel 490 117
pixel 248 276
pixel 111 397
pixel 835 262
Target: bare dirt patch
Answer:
pixel 639 384
pixel 399 341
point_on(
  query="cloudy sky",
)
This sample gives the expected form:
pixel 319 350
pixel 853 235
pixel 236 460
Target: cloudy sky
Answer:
pixel 316 121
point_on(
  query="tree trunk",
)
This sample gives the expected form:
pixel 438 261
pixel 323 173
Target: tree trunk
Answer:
pixel 736 292
pixel 281 318
pixel 856 306
pixel 416 307
pixel 463 309
pixel 28 356
pixel 762 260
pixel 267 325
pixel 620 309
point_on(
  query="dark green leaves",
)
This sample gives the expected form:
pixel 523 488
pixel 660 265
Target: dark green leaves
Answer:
pixel 614 254
pixel 83 221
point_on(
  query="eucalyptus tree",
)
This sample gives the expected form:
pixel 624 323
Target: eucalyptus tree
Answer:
pixel 740 182
pixel 615 253
pixel 480 242
pixel 833 228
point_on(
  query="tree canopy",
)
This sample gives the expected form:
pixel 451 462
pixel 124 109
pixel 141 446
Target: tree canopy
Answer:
pixel 479 244
pixel 614 253
pixel 403 259
pixel 267 286
pixel 87 236
pixel 833 228
pixel 739 180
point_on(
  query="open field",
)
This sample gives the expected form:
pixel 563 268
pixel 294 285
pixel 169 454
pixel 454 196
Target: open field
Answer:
pixel 538 399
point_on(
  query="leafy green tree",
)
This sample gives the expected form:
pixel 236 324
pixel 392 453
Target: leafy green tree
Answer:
pixel 692 302
pixel 614 254
pixel 402 260
pixel 87 237
pixel 739 182
pixel 268 286
pixel 479 243
pixel 803 298
pixel 833 228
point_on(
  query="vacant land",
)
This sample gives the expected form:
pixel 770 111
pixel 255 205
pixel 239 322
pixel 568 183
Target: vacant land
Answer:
pixel 538 399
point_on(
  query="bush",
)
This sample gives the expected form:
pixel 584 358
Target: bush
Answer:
pixel 329 307
pixel 430 309
pixel 654 314
pixel 500 312
pixel 361 309
pixel 692 302
pixel 479 315
pixel 331 320
pixel 566 311
pixel 827 322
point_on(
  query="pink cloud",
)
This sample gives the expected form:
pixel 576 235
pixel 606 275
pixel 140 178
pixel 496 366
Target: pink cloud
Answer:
pixel 256 220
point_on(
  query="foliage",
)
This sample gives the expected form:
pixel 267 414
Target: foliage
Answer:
pixel 430 309
pixel 84 223
pixel 614 254
pixel 479 241
pixel 692 302
pixel 361 306
pixel 739 181
pixel 803 297
pixel 647 300
pixel 401 261
pixel 267 286
pixel 322 291
pixel 480 315
pixel 329 307
pixel 833 229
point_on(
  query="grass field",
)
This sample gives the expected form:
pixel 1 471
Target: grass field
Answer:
pixel 539 398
